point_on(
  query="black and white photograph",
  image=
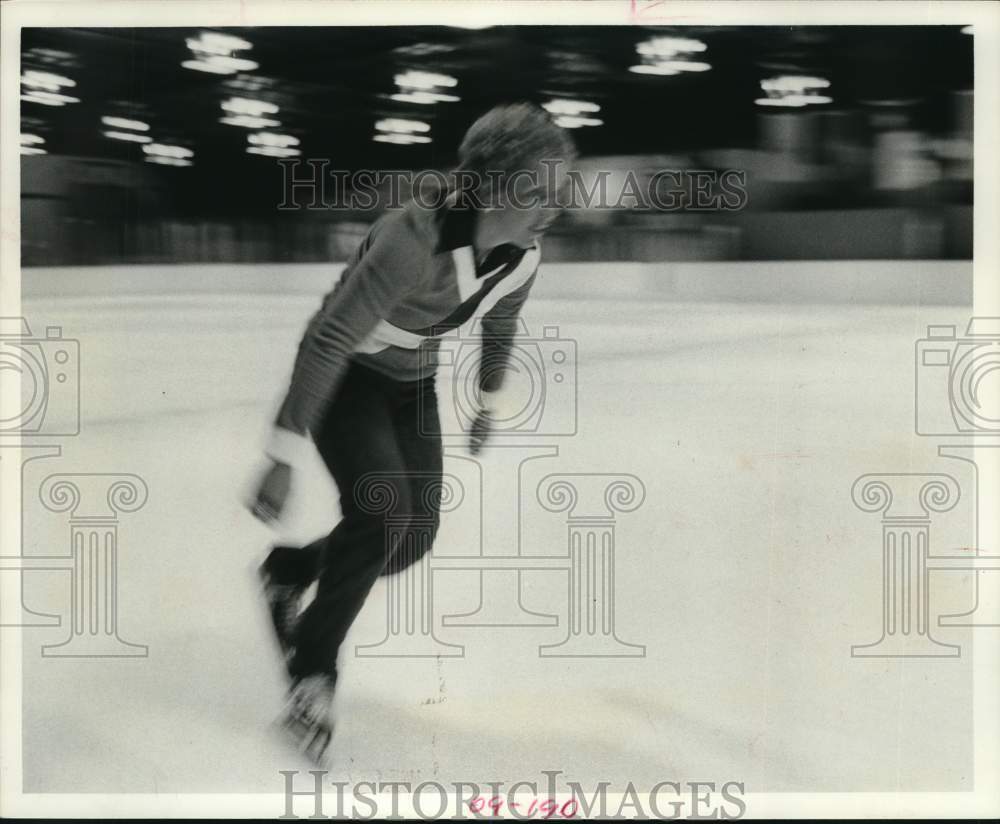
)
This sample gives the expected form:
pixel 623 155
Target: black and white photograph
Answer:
pixel 514 410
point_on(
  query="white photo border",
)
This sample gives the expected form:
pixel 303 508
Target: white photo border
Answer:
pixel 982 802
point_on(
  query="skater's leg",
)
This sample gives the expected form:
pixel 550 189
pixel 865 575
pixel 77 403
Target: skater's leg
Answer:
pixel 292 565
pixel 285 575
pixel 357 440
pixel 418 433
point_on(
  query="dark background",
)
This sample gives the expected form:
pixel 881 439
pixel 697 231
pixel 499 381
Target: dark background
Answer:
pixel 822 172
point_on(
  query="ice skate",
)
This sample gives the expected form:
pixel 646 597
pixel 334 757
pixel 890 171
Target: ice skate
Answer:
pixel 308 718
pixel 283 605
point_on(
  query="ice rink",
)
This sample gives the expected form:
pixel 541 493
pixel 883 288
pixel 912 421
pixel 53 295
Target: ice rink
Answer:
pixel 747 573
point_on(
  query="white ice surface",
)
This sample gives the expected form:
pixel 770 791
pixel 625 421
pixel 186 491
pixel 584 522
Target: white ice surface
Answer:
pixel 747 573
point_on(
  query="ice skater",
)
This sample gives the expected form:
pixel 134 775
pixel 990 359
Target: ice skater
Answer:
pixel 362 386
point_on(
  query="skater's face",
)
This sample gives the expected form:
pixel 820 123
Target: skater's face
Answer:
pixel 530 203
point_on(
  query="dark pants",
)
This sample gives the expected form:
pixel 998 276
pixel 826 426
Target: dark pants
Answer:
pixel 381 441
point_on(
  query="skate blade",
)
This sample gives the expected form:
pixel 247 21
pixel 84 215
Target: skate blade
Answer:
pixel 312 740
pixel 285 649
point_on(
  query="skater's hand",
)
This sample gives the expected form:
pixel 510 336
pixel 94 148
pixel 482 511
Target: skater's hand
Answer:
pixel 482 426
pixel 272 492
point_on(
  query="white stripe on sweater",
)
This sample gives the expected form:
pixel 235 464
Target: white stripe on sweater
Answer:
pixel 386 334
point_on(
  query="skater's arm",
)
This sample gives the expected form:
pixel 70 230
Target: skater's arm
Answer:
pixel 499 326
pixel 390 268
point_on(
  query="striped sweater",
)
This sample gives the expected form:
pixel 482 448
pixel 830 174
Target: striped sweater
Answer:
pixel 413 278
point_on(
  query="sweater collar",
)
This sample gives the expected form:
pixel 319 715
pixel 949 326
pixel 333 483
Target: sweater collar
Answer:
pixel 458 229
pixel 458 225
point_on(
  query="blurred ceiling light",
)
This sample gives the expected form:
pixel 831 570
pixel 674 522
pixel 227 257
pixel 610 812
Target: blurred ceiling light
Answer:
pixel 792 90
pixel 43 87
pixel 402 139
pixel 131 136
pixel 791 102
pixel 215 64
pixel 168 161
pixel 793 83
pixel 271 139
pixel 211 42
pixel 422 87
pixel 45 80
pixel 572 122
pixel 249 122
pixel 48 98
pixel 273 151
pixel 667 47
pixel 669 56
pixel 684 65
pixel 471 25
pixel 162 150
pixel 652 68
pixel 395 124
pixel 570 107
pixel 52 57
pixel 29 144
pixel 245 105
pixel 424 80
pixel 424 98
pixel 668 67
pixel 213 53
pixel 794 100
pixel 123 123
pixel 967 30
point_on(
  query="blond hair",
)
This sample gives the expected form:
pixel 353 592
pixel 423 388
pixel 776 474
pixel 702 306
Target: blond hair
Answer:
pixel 512 137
